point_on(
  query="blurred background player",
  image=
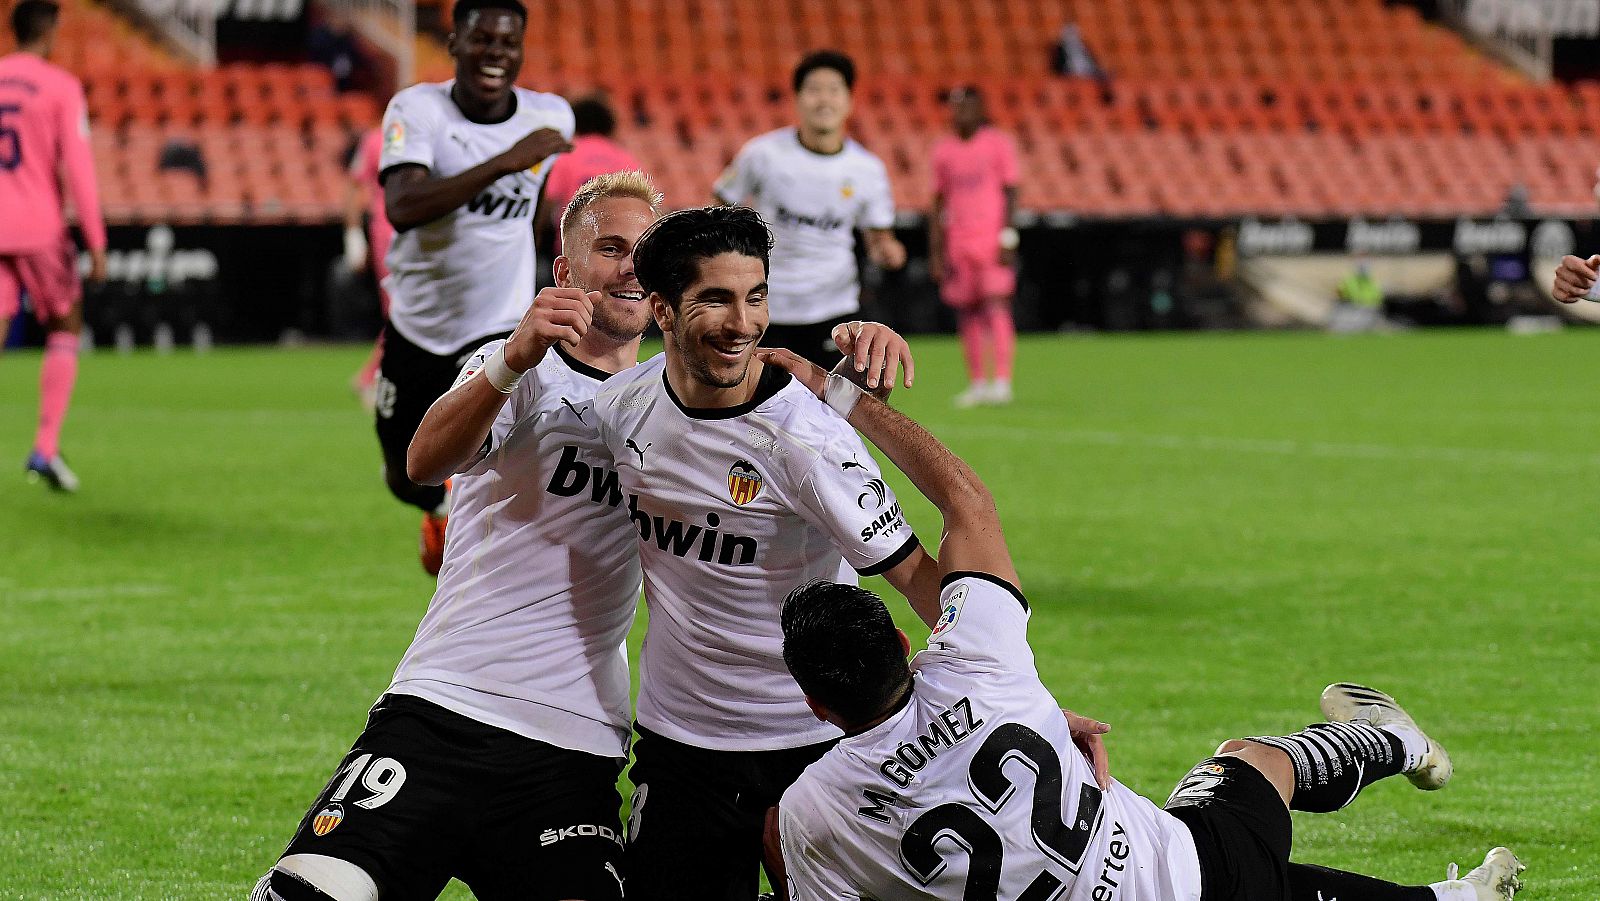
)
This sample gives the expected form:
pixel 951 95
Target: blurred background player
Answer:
pixel 972 246
pixel 593 153
pixel 463 165
pixel 815 187
pixel 367 244
pixel 44 128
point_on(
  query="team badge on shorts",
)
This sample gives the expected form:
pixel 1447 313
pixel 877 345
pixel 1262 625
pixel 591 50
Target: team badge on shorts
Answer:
pixel 326 819
pixel 744 483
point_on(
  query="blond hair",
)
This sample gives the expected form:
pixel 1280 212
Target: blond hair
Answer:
pixel 632 183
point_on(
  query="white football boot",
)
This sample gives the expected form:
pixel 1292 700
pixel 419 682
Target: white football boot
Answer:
pixel 976 394
pixel 1493 880
pixel 1347 702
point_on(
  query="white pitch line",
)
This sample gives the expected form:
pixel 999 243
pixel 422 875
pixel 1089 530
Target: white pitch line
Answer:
pixel 1466 456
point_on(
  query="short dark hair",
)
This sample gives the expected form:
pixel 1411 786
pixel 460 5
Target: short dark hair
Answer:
pixel 592 116
pixel 825 59
pixel 465 8
pixel 667 257
pixel 30 19
pixel 841 645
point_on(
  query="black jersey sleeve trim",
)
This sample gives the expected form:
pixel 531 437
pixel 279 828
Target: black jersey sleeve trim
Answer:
pixel 580 367
pixel 894 559
pixel 984 577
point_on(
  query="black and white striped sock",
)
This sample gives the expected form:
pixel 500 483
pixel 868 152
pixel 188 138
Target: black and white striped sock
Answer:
pixel 1333 762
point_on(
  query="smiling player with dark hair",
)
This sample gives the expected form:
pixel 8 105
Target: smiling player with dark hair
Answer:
pixel 741 486
pixel 463 167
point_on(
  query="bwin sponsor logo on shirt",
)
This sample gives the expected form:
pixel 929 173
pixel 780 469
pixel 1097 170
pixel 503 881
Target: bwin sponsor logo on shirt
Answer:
pixel 787 216
pixel 683 539
pixel 488 203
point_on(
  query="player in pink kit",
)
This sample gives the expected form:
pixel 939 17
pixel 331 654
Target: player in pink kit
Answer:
pixel 593 153
pixel 43 124
pixel 364 249
pixel 972 246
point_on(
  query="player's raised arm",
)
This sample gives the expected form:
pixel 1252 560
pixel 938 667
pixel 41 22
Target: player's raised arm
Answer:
pixel 973 540
pixel 453 433
pixel 413 197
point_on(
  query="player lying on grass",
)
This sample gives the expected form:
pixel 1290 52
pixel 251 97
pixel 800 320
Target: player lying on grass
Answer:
pixel 951 781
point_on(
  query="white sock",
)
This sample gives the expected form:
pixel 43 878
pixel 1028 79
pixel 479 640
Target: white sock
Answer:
pixel 1415 745
pixel 1454 891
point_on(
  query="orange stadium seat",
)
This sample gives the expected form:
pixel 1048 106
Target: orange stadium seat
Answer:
pixel 1211 108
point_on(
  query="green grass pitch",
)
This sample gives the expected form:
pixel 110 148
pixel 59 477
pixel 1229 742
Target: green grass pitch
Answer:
pixel 1211 528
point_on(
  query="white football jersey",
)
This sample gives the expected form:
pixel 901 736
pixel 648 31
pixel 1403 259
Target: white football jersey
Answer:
pixel 974 789
pixel 733 509
pixel 814 202
pixel 541 578
pixel 468 273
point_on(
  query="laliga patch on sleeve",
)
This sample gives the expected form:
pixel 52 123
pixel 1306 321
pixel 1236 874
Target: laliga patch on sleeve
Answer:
pixel 394 137
pixel 951 612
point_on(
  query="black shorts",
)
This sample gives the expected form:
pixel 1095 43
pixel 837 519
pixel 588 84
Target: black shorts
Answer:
pixel 1242 832
pixel 427 794
pixel 813 340
pixel 698 815
pixel 409 380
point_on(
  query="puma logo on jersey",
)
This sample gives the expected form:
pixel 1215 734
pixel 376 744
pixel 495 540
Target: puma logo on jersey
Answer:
pixel 509 207
pixel 575 411
pixel 637 449
pixel 952 726
pixel 887 523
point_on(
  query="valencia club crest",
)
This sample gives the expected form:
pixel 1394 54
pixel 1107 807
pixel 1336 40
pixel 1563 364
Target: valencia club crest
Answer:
pixel 744 483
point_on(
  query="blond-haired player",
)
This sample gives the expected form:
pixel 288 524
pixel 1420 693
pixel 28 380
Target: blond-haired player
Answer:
pixel 493 755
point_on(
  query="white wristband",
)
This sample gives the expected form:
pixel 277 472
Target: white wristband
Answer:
pixel 501 376
pixel 1594 291
pixel 841 394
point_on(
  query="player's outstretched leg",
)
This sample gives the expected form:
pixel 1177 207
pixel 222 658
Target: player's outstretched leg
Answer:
pixel 1365 742
pixel 1495 880
pixel 1347 702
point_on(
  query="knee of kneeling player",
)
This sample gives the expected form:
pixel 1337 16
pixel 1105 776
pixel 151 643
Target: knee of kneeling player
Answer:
pixel 314 877
pixel 1234 745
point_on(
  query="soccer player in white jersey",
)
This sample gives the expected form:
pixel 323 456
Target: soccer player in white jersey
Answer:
pixel 741 486
pixel 494 753
pixel 816 186
pixel 463 166
pixel 956 777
